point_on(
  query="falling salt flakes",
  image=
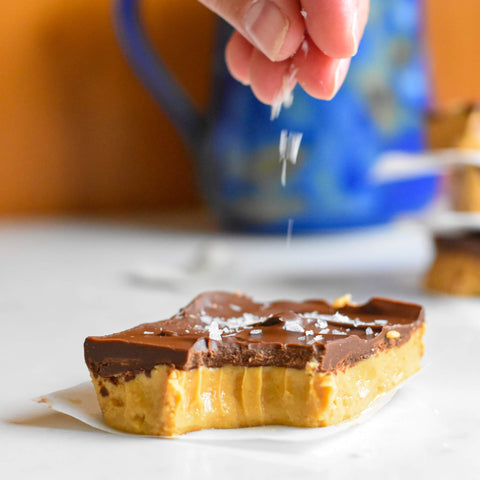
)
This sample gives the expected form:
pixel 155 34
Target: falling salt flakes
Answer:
pixel 289 232
pixel 285 97
pixel 282 147
pixel 289 147
pixel 304 13
pixel 284 100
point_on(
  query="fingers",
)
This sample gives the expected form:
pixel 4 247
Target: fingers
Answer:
pixel 238 55
pixel 336 26
pixel 319 75
pixel 319 62
pixel 270 81
pixel 275 27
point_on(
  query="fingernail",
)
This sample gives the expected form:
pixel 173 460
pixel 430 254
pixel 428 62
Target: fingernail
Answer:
pixel 267 27
pixel 355 32
pixel 339 75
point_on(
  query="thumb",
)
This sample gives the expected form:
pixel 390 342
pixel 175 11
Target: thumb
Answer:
pixel 275 27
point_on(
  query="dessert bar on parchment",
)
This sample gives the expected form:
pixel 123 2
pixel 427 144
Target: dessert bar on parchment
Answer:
pixel 226 361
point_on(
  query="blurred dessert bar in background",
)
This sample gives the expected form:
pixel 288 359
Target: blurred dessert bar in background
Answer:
pixel 456 268
pixel 460 129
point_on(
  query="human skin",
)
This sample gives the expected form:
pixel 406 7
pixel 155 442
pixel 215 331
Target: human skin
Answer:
pixel 279 43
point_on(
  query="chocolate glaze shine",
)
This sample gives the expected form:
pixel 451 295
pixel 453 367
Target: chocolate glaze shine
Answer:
pixel 218 329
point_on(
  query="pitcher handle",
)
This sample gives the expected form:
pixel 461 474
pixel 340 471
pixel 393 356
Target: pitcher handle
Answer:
pixel 155 76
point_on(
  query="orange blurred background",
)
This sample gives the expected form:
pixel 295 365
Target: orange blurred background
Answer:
pixel 79 134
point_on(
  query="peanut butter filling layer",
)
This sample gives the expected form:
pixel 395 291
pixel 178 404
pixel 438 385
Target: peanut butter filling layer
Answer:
pixel 169 401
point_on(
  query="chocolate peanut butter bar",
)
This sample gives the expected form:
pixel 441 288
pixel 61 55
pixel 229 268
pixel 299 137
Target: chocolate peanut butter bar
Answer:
pixel 459 129
pixel 225 361
pixel 456 268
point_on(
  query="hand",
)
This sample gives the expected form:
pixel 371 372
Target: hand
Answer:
pixel 278 43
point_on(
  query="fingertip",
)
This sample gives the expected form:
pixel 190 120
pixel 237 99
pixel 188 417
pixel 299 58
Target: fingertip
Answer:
pixel 339 77
pixel 318 74
pixel 270 81
pixel 238 54
pixel 336 27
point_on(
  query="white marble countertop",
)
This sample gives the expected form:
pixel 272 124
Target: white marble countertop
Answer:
pixel 62 281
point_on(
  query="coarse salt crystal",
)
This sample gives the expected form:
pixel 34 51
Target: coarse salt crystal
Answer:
pixel 250 318
pixel 368 331
pixel 255 332
pixel 214 332
pixel 245 320
pixel 316 338
pixel 323 319
pixel 293 326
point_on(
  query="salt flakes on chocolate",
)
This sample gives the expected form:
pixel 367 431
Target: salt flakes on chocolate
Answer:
pixel 293 326
pixel 214 332
pixel 255 334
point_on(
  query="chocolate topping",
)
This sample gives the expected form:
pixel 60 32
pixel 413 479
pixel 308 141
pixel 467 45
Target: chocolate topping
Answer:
pixel 463 241
pixel 218 329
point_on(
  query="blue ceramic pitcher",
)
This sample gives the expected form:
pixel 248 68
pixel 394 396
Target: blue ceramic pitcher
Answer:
pixel 380 108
